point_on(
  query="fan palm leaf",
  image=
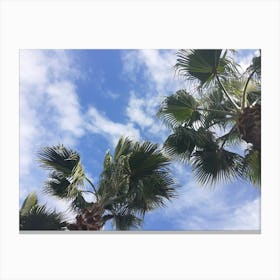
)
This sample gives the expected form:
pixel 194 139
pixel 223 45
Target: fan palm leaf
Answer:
pixel 211 166
pixel 30 201
pixel 252 166
pixel 199 64
pixel 67 173
pixel 178 109
pixel 37 217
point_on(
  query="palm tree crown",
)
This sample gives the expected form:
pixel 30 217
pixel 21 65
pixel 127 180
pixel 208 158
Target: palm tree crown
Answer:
pixel 135 179
pixel 223 110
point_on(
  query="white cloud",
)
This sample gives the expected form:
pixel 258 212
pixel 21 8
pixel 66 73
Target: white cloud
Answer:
pixel 246 217
pixel 156 68
pixel 63 100
pixel 112 95
pixel 137 113
pixel 245 60
pixel 49 108
pixel 204 208
pixel 100 124
pixel 49 113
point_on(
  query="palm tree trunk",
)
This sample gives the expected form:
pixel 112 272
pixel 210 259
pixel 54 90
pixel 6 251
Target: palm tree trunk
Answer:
pixel 90 218
pixel 249 125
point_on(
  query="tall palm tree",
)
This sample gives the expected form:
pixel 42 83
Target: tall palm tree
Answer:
pixel 135 179
pixel 222 110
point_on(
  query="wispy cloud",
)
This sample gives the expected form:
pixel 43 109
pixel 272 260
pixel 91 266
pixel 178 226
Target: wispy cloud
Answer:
pixel 152 75
pixel 49 111
pixel 65 107
pixel 225 207
pixel 98 123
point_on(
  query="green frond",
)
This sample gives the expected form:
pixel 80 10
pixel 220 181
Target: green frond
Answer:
pixel 152 192
pixel 124 147
pixel 67 172
pixel 252 166
pixel 254 96
pixel 184 141
pixel 230 138
pixel 181 143
pixel 79 202
pixel 30 201
pixel 58 158
pixel 199 64
pixel 215 165
pixel 126 221
pixel 217 109
pixel 57 185
pixel 178 109
pixel 145 160
pixel 39 218
pixel 255 66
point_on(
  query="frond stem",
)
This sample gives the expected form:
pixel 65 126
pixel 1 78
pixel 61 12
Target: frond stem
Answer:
pixel 244 96
pixel 92 185
pixel 227 94
pixel 217 111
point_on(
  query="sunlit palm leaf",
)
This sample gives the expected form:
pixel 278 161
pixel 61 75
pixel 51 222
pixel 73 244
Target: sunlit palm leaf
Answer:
pixel 124 147
pixel 179 108
pixel 30 201
pixel 199 64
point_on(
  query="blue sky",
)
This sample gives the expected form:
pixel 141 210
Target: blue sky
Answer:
pixel 87 99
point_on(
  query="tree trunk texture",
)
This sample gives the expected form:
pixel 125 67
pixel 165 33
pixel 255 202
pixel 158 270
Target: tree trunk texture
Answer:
pixel 89 219
pixel 249 125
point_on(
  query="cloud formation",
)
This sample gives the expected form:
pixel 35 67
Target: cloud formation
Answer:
pixel 98 123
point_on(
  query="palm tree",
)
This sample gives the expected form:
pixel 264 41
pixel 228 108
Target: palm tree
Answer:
pixel 222 110
pixel 135 179
pixel 36 217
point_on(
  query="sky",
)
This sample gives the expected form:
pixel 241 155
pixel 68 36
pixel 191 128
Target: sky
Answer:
pixel 87 99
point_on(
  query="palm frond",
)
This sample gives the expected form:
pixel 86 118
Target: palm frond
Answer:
pixel 145 160
pixel 30 201
pixel 152 192
pixel 178 109
pixel 124 147
pixel 126 220
pixel 67 172
pixel 181 143
pixel 79 202
pixel 58 185
pixel 211 166
pixel 39 218
pixel 231 138
pixel 255 66
pixel 199 64
pixel 252 166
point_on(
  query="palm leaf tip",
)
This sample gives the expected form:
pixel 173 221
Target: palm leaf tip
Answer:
pixel 30 201
pixel 59 158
